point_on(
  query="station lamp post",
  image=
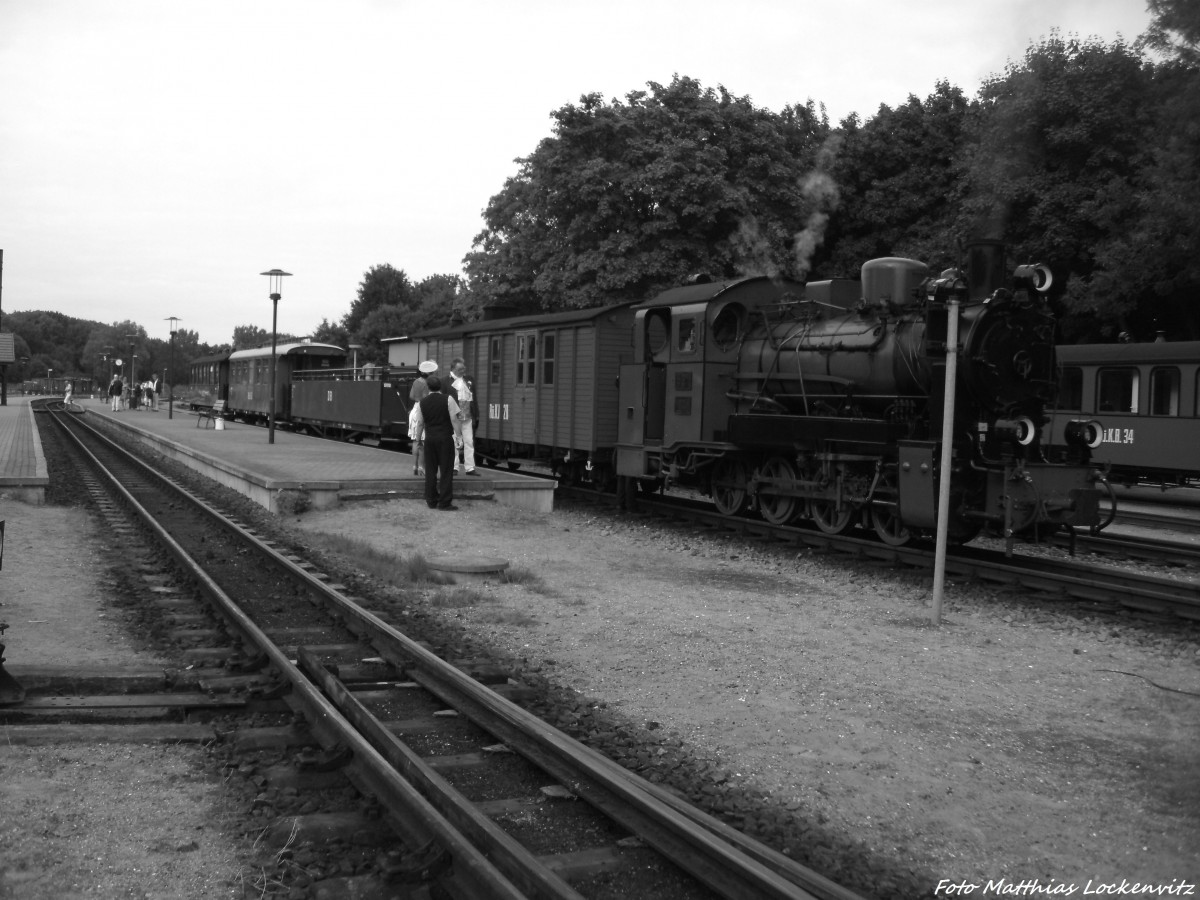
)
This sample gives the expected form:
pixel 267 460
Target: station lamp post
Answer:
pixel 275 283
pixel 131 375
pixel 170 379
pixel 354 348
pixel 49 381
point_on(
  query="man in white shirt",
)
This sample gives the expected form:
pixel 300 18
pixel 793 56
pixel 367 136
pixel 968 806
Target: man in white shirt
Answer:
pixel 463 390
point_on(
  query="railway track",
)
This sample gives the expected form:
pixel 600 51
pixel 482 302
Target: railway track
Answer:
pixel 476 796
pixel 1054 577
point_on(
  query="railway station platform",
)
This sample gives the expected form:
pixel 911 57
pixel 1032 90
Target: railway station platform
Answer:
pixel 23 473
pixel 320 472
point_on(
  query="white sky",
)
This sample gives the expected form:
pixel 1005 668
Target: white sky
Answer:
pixel 157 155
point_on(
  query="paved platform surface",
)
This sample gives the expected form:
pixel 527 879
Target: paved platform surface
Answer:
pixel 325 472
pixel 23 474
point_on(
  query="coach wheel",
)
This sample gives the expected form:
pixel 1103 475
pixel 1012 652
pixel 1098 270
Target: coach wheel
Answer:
pixel 885 513
pixel 513 466
pixel 776 490
pixel 729 484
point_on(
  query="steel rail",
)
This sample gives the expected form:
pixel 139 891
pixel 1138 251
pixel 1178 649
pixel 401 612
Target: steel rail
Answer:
pixel 413 816
pixel 727 861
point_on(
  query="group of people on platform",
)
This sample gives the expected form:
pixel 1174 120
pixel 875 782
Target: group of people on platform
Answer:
pixel 441 428
pixel 125 396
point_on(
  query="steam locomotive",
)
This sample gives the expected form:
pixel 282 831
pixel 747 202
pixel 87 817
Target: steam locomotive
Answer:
pixel 826 400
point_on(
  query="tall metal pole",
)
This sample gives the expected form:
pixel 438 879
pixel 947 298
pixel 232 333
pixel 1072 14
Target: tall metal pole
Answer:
pixel 943 521
pixel 170 374
pixel 274 320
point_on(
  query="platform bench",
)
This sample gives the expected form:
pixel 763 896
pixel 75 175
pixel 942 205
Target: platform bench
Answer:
pixel 208 415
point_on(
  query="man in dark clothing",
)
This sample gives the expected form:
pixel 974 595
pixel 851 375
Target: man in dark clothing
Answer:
pixel 438 415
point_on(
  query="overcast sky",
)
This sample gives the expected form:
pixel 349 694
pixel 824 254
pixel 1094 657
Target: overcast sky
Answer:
pixel 157 155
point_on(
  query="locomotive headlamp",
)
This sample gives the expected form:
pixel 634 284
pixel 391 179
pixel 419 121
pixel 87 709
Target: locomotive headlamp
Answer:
pixel 1017 431
pixel 1084 433
pixel 1037 274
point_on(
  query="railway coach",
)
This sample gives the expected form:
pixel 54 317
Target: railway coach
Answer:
pixel 207 383
pixel 545 386
pixel 249 392
pixel 1142 403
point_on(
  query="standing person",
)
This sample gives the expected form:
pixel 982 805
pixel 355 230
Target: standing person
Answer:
pixel 114 393
pixel 418 392
pixel 67 393
pixel 152 392
pixel 462 389
pixel 438 416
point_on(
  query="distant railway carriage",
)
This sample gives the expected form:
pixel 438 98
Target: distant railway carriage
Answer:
pixel 1143 401
pixel 545 386
pixel 250 377
pixel 351 404
pixel 207 382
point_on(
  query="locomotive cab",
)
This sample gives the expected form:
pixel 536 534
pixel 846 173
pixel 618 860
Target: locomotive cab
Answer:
pixel 677 394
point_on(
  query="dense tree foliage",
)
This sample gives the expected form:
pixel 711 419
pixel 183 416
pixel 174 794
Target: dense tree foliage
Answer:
pixel 627 197
pixel 897 177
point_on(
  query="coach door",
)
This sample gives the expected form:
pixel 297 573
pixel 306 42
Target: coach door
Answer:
pixel 524 410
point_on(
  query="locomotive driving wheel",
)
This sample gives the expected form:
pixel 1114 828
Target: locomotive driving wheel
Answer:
pixel 885 512
pixel 777 484
pixel 730 480
pixel 829 518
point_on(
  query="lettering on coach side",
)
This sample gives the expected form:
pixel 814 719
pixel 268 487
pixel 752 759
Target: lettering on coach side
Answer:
pixel 1118 435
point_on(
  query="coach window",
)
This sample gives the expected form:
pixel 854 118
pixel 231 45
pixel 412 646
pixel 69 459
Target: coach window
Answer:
pixel 1070 389
pixel 1117 390
pixel 494 361
pixel 527 359
pixel 1164 392
pixel 547 359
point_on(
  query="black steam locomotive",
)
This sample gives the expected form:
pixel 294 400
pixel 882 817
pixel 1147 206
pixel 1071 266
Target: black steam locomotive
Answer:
pixel 826 400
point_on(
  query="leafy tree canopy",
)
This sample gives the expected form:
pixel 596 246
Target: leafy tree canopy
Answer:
pixel 381 286
pixel 629 197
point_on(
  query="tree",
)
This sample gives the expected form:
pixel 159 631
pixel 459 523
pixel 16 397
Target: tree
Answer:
pixel 1055 151
pixel 246 337
pixel 1174 30
pixel 897 179
pixel 628 197
pixel 381 286
pixel 329 333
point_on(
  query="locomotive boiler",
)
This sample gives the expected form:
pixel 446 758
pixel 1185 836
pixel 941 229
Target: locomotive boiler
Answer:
pixel 825 400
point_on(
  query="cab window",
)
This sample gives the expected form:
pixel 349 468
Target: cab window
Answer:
pixel 686 342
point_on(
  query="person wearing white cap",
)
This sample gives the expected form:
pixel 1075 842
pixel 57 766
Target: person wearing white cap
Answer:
pixel 416 428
